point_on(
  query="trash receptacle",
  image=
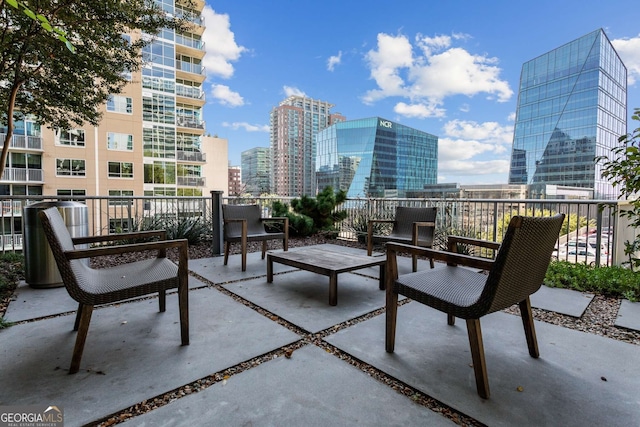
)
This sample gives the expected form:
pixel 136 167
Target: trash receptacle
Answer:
pixel 40 266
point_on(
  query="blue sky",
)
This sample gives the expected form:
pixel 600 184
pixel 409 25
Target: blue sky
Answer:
pixel 448 68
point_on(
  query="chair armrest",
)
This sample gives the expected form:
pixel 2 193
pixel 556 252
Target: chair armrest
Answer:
pixel 450 258
pixel 453 240
pixel 416 228
pixel 387 221
pixel 182 244
pixel 285 223
pixel 120 236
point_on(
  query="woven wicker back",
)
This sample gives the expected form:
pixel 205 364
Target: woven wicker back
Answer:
pixel 60 241
pixel 249 212
pixel 405 217
pixel 522 261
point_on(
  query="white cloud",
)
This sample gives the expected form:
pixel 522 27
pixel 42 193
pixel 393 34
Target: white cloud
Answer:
pixel 226 96
pixel 420 111
pixel 293 91
pixel 629 51
pixel 473 168
pixel 512 117
pixel 334 60
pixel 246 126
pixel 439 71
pixel 487 131
pixel 393 54
pixel 461 149
pixel 220 44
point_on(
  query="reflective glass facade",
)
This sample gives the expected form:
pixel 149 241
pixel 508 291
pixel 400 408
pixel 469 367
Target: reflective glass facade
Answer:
pixel 375 157
pixel 572 107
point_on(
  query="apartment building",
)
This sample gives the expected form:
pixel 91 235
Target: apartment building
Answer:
pixel 294 124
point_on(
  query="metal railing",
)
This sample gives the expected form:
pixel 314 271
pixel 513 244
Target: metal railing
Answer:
pixel 587 220
pixel 22 175
pixel 22 141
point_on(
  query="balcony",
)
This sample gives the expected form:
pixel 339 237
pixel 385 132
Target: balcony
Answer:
pixel 191 181
pixel 22 141
pixel 191 156
pixel 23 175
pixel 189 92
pixel 189 122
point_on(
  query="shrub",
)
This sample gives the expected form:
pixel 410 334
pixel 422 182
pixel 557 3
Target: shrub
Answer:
pixel 614 281
pixel 310 215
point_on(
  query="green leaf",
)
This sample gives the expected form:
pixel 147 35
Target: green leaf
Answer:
pixel 46 26
pixel 29 13
pixel 13 3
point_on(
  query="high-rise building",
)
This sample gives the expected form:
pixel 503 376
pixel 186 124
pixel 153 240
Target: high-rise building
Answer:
pixel 375 157
pixel 235 183
pixel 150 139
pixel 294 124
pixel 572 107
pixel 256 170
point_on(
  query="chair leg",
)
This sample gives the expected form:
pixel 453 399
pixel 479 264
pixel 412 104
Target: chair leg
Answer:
pixel 529 328
pixel 78 314
pixel 264 248
pixel 85 319
pixel 162 300
pixel 451 319
pixel 243 244
pixel 477 355
pixel 183 305
pixel 415 263
pixel 226 252
pixel 391 309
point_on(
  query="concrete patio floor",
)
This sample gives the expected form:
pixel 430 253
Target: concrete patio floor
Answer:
pixel 241 327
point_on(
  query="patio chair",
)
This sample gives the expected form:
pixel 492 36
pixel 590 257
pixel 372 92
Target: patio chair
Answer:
pixel 90 287
pixel 414 226
pixel 518 270
pixel 243 223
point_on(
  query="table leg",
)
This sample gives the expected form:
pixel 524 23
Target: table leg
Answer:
pixel 333 289
pixel 269 269
pixel 383 275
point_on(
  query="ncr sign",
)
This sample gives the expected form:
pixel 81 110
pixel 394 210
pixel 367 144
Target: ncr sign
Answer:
pixel 385 124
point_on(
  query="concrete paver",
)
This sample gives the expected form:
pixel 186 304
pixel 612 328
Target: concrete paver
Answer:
pixel 580 379
pixel 563 301
pixel 312 388
pixel 629 315
pixel 132 353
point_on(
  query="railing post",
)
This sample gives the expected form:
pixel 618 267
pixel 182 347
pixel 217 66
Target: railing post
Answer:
pixel 216 222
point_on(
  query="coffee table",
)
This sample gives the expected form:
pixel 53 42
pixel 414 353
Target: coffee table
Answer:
pixel 326 262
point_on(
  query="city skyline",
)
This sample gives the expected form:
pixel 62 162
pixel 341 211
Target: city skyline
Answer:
pixel 450 70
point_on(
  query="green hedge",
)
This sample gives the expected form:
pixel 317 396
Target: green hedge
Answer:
pixel 615 281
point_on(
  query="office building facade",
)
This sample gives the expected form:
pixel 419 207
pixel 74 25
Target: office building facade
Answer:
pixel 375 157
pixel 572 107
pixel 256 170
pixel 294 123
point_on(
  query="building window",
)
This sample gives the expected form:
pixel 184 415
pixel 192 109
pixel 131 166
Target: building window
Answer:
pixel 74 137
pixel 70 167
pixel 119 141
pixel 73 193
pixel 120 104
pixel 120 193
pixel 160 173
pixel 120 170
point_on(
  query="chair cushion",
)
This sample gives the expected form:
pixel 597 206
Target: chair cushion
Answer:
pixel 455 290
pixel 101 286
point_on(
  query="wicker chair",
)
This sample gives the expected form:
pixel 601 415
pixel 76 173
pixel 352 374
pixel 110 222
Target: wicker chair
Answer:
pixel 90 287
pixel 414 226
pixel 518 270
pixel 243 223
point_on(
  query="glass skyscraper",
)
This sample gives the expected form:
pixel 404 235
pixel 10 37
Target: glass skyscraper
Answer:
pixel 375 157
pixel 572 107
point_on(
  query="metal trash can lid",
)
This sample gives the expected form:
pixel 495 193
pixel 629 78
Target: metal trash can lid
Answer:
pixel 51 204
